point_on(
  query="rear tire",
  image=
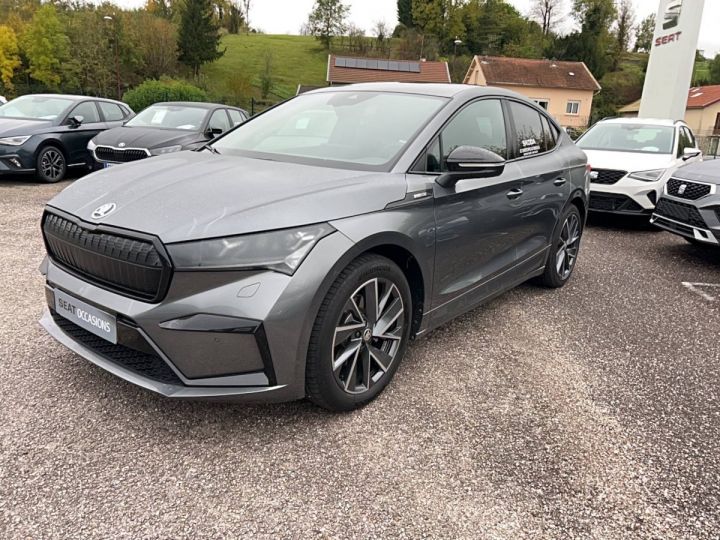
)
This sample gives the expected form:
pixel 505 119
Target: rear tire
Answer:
pixel 50 164
pixel 360 334
pixel 564 249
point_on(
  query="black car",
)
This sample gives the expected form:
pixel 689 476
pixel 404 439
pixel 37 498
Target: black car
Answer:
pixel 164 128
pixel 47 133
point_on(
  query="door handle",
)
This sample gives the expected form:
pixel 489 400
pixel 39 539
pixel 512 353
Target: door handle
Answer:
pixel 559 182
pixel 514 193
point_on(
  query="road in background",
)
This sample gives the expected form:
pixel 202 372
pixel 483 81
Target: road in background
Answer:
pixel 592 411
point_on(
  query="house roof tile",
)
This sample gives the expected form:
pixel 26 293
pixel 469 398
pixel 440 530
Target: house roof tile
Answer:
pixel 429 72
pixel 542 73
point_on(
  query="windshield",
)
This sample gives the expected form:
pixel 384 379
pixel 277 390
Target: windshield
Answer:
pixel 170 117
pixel 640 138
pixel 358 130
pixel 35 107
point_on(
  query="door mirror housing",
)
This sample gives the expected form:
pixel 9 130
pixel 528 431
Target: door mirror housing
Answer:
pixel 211 133
pixel 470 162
pixel 75 121
pixel 689 153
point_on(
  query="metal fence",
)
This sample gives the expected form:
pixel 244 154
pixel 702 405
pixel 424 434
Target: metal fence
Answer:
pixel 710 146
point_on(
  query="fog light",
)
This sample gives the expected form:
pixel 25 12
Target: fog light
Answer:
pixel 15 162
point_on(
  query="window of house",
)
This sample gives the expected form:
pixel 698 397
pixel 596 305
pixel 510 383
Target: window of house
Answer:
pixel 572 107
pixel 544 103
pixel 481 124
pixel 531 138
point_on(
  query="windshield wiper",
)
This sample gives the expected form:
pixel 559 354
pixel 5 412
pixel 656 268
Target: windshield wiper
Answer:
pixel 211 148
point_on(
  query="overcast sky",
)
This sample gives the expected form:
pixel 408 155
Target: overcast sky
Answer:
pixel 286 16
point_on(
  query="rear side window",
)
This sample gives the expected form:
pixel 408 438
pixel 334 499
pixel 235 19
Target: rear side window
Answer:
pixel 530 135
pixel 236 117
pixel 481 123
pixel 111 112
pixel 549 134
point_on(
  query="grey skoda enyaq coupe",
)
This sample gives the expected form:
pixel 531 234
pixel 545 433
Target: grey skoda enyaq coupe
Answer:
pixel 298 254
pixel 690 204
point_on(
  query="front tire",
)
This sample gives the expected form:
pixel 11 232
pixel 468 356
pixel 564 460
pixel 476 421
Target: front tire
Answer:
pixel 51 165
pixel 360 334
pixel 564 249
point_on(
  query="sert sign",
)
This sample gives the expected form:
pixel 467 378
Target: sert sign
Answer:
pixel 672 58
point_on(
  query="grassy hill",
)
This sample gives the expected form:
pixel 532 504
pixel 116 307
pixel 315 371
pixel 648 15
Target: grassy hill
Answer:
pixel 294 60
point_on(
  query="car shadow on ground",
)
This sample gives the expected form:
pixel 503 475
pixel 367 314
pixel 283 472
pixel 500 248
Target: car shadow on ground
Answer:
pixel 620 222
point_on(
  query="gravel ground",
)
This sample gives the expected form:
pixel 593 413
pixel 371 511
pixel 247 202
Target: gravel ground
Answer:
pixel 589 412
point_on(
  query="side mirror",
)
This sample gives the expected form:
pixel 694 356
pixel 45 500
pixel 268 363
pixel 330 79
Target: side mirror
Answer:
pixel 689 153
pixel 75 121
pixel 470 162
pixel 211 133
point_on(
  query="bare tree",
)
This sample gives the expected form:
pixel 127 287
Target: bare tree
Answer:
pixel 246 12
pixel 548 13
pixel 625 22
pixel 381 30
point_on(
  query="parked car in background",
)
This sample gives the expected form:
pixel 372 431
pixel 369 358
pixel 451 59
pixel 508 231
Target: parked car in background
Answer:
pixel 690 204
pixel 164 128
pixel 632 158
pixel 298 254
pixel 45 134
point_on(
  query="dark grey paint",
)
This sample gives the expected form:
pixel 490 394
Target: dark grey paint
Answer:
pixel 471 242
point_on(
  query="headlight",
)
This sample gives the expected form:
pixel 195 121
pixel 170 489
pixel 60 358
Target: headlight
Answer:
pixel 648 176
pixel 91 145
pixel 282 251
pixel 15 141
pixel 165 150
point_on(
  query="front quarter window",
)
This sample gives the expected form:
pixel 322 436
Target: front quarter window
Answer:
pixel 359 130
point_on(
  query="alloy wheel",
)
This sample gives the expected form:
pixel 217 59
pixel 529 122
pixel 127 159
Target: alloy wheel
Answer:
pixel 568 245
pixel 52 164
pixel 368 335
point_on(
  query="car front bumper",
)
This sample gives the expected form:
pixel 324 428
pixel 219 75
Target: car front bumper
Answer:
pixel 698 220
pixel 216 335
pixel 626 196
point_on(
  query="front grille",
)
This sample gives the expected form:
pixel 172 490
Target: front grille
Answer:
pixel 613 203
pixel 116 155
pixel 691 191
pixel 131 266
pixel 144 364
pixel 684 213
pixel 606 176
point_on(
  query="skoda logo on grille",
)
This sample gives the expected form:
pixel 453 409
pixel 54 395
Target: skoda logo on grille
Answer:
pixel 121 145
pixel 682 189
pixel 594 175
pixel 104 210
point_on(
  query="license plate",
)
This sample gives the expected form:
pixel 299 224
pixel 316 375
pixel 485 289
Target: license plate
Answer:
pixel 86 316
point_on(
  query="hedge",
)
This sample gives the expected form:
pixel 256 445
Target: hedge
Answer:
pixel 153 91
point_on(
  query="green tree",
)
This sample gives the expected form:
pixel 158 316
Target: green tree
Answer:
pixel 715 70
pixel 404 13
pixel 441 18
pixel 644 34
pixel 327 20
pixel 91 68
pixel 198 36
pixel 9 59
pixel 46 46
pixel 157 45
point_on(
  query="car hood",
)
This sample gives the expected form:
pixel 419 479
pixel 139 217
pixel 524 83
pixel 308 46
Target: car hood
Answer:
pixel 193 195
pixel 10 127
pixel 701 171
pixel 146 137
pixel 627 161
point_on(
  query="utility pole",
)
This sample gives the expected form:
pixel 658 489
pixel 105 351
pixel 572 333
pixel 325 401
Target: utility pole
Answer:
pixel 117 57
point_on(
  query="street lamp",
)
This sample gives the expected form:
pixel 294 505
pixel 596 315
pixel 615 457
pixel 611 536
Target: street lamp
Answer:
pixel 456 42
pixel 117 58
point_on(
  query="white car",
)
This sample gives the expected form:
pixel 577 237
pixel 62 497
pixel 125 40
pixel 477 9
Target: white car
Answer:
pixel 632 159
